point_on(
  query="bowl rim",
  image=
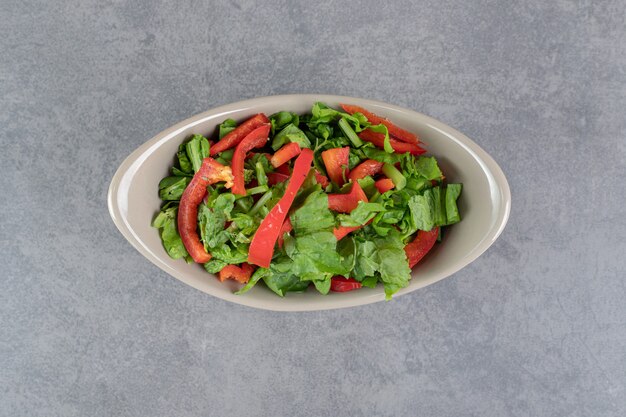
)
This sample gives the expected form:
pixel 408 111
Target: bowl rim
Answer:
pixel 121 179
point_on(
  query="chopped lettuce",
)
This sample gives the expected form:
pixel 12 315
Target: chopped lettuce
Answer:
pixel 197 149
pixel 165 221
pixel 171 188
pixel 226 127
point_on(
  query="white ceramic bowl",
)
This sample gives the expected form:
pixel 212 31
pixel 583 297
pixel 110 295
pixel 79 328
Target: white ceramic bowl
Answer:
pixel 484 203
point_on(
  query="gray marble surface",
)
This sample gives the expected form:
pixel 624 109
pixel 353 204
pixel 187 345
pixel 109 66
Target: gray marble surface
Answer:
pixel 535 327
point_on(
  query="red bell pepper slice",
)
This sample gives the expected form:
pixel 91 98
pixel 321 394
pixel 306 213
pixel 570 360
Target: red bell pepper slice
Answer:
pixel 345 203
pixel 240 274
pixel 287 227
pixel 421 245
pixel 262 245
pixel 255 139
pixel 342 231
pixel 274 178
pixel 209 173
pixel 378 139
pixel 233 138
pixel 365 168
pixel 284 154
pixel 341 284
pixel 384 185
pixel 336 163
pixel 321 179
pixel 395 131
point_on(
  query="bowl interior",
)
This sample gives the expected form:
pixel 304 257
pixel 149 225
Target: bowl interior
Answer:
pixel 484 203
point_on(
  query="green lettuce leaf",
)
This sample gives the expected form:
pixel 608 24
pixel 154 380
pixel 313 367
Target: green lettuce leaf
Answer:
pixel 183 160
pixel 290 133
pixel 172 188
pixel 313 215
pixel 226 127
pixel 197 149
pixel 363 213
pixel 453 191
pixel 166 222
pixel 282 119
pixel 383 257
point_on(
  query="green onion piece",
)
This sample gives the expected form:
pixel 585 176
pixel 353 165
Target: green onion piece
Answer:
pixel 350 133
pixel 264 199
pixel 396 176
pixel 260 174
pixel 257 190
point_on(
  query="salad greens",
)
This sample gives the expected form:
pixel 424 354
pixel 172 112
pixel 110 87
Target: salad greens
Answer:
pixel 309 252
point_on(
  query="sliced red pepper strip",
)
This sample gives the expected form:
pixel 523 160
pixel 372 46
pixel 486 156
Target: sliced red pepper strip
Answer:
pixel 233 138
pixel 321 179
pixel 342 231
pixel 395 131
pixel 378 139
pixel 255 139
pixel 336 163
pixel 262 245
pixel 384 185
pixel 287 227
pixel 341 284
pixel 209 173
pixel 274 178
pixel 240 274
pixel 365 168
pixel 284 154
pixel 421 245
pixel 345 203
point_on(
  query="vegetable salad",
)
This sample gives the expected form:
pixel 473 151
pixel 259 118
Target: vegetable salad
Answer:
pixel 335 199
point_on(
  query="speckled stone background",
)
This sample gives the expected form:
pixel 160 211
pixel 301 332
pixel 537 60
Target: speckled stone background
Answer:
pixel 535 327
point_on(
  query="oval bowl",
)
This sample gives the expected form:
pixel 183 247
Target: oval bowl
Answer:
pixel 484 203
